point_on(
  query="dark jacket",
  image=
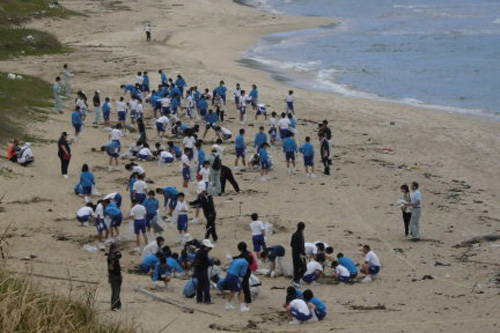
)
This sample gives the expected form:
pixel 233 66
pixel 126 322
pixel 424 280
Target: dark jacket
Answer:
pixel 207 204
pixel 325 149
pixel 297 243
pixel 201 261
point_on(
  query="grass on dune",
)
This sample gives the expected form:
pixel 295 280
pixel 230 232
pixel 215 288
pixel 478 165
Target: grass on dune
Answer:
pixel 13 41
pixel 22 101
pixel 16 12
pixel 25 308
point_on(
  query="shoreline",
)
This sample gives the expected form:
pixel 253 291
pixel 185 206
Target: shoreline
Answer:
pixel 455 158
pixel 313 79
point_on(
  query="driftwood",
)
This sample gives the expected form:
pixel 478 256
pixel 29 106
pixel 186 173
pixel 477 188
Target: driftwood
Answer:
pixel 54 277
pixel 171 302
pixel 477 239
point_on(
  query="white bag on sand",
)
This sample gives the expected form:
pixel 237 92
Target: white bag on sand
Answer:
pixel 269 228
pixel 11 76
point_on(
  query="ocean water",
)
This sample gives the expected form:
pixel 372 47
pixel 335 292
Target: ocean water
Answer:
pixel 443 54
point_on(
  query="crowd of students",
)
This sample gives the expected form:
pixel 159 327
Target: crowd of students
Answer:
pixel 180 114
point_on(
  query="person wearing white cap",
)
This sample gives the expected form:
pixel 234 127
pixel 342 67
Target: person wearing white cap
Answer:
pixel 201 264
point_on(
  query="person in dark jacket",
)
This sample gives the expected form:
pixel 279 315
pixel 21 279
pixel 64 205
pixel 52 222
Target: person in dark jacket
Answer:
pixel 201 263
pixel 298 254
pixel 206 202
pixel 245 283
pixel 227 175
pixel 64 153
pixel 115 276
pixel 325 153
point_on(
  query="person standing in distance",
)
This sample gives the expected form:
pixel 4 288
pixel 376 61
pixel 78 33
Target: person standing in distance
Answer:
pixel 115 276
pixel 298 254
pixel 416 205
pixel 64 153
pixel 148 32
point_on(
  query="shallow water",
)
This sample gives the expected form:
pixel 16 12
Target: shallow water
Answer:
pixel 444 54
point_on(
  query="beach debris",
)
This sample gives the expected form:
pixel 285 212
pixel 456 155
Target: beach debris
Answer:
pixel 392 123
pixel 11 76
pixel 30 257
pixel 54 4
pixel 29 39
pixel 379 306
pixel 438 263
pixel 90 248
pixel 477 239
pixel 427 277
pixel 172 302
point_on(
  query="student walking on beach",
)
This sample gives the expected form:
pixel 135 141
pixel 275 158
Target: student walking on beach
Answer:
pixel 64 153
pixel 406 209
pixel 325 153
pixel 67 75
pixel 58 91
pixel 115 276
pixel 298 254
pixel 416 206
pixel 96 100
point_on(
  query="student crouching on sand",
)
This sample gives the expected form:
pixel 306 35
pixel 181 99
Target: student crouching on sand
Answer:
pixel 371 265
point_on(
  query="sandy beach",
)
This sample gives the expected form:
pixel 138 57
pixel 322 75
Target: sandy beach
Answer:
pixel 377 147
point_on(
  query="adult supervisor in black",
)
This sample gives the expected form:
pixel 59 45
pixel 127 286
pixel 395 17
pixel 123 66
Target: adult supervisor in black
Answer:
pixel 115 276
pixel 298 254
pixel 64 153
pixel 201 263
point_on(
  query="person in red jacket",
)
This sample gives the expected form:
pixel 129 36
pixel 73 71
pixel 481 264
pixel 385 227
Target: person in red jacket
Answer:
pixel 12 151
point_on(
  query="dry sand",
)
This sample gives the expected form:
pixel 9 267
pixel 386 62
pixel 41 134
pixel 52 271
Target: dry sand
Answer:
pixel 457 158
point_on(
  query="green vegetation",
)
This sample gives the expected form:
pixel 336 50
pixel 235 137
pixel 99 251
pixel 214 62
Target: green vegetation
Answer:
pixel 24 308
pixel 16 12
pixel 17 41
pixel 21 100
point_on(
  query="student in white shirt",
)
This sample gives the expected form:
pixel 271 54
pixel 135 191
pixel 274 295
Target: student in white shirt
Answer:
pixel 205 174
pixel 273 130
pixel 371 265
pixel 121 110
pixel 182 210
pixel 165 158
pixel 289 99
pixel 138 212
pixel 162 125
pixel 153 247
pixel 311 250
pixel 314 269
pixel 139 110
pixel 299 310
pixel 116 133
pixel 340 273
pixel 186 170
pixel 85 214
pixel 189 141
pixel 258 235
pixel 102 228
pixel 145 153
pixel 139 79
pixel 283 126
pixel 237 96
pixel 243 101
pixel 416 205
pixel 165 105
pixel 223 133
pixel 139 189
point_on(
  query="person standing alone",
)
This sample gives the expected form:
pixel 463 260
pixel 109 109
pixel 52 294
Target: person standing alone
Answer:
pixel 416 206
pixel 298 254
pixel 148 32
pixel 64 153
pixel 115 276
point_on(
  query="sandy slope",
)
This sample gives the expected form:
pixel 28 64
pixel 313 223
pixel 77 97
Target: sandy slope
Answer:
pixel 201 39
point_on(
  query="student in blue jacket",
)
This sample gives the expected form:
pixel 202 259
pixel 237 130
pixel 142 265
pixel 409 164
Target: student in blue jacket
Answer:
pixel 265 165
pixel 239 145
pixel 86 181
pixel 76 121
pixel 290 148
pixel 307 150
